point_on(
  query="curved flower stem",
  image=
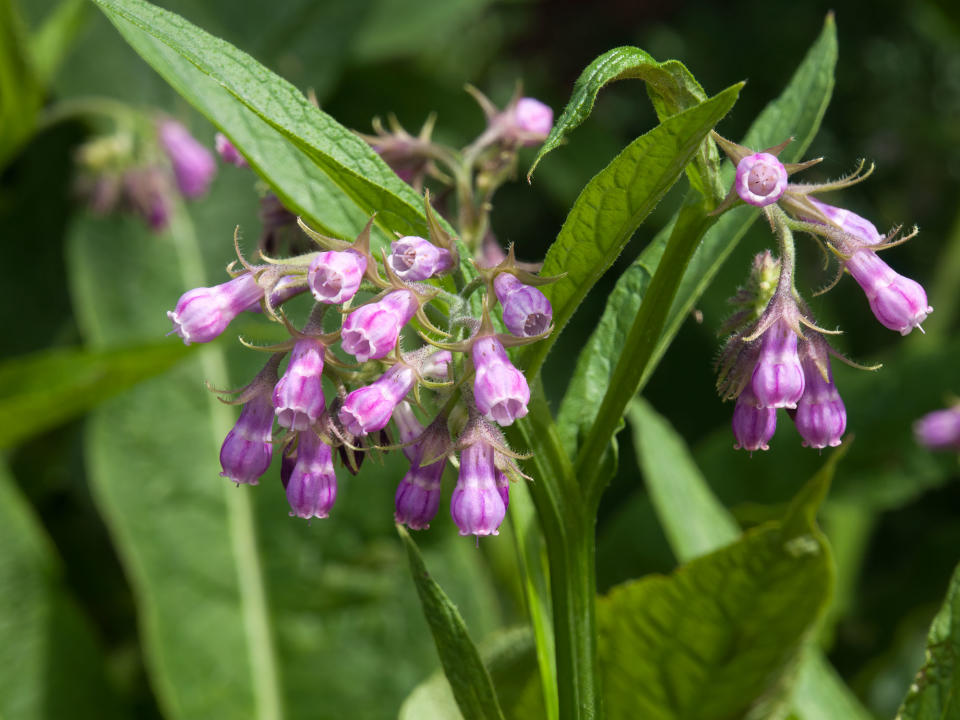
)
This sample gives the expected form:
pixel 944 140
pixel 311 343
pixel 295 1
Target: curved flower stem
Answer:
pixel 788 253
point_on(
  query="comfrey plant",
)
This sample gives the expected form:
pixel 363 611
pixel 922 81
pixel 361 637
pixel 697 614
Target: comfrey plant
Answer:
pixel 469 388
pixel 776 355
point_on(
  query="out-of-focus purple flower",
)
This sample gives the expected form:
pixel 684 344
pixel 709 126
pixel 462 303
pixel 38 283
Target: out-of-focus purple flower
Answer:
pixel 778 377
pixel 371 331
pixel 526 310
pixel 752 426
pixel 898 302
pixel 335 277
pixel 203 313
pixel 368 409
pixel 228 151
pixel 939 430
pixel 413 258
pixel 476 505
pixel 821 417
pixel 147 191
pixel 193 165
pixel 533 117
pixel 500 390
pixel 246 452
pixel 277 223
pixel 298 397
pixel 312 488
pixel 849 222
pixel 761 179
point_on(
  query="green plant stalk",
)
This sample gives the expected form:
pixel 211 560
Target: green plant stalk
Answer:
pixel 641 342
pixel 568 529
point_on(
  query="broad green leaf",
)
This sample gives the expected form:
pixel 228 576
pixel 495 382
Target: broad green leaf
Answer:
pixel 719 637
pixel 694 521
pixel 462 665
pixel 52 666
pixel 933 694
pixel 53 39
pixel 245 612
pixel 797 112
pixel 614 203
pixel 672 87
pixel 317 167
pixel 41 390
pixel 510 657
pixel 20 90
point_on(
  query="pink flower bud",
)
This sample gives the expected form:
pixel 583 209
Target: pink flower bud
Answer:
pixel 193 165
pixel 821 417
pixel 298 397
pixel 203 313
pixel 898 302
pixel 526 310
pixel 312 488
pixel 861 228
pixel 533 117
pixel 752 426
pixel 499 389
pixel 368 409
pixel 371 331
pixel 413 258
pixel 778 377
pixel 335 277
pixel 437 365
pixel 939 430
pixel 246 452
pixel 476 505
pixel 228 151
pixel 761 179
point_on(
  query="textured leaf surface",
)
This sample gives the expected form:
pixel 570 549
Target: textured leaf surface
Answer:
pixel 615 202
pixel 52 667
pixel 40 390
pixel 797 112
pixel 245 612
pixel 718 638
pixel 319 168
pixel 934 693
pixel 670 84
pixel 463 667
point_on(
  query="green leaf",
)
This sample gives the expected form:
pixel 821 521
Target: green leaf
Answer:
pixel 245 612
pixel 316 166
pixel 510 657
pixel 933 694
pixel 797 112
pixel 614 203
pixel 41 390
pixel 719 637
pixel 53 666
pixel 694 521
pixel 672 87
pixel 462 665
pixel 21 93
pixel 53 39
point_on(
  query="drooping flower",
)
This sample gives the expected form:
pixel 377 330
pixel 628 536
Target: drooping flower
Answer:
pixel 248 448
pixel 939 430
pixel 203 313
pixel 371 331
pixel 298 396
pixel 418 494
pixel 414 258
pixel 476 505
pixel 526 310
pixel 193 165
pixel 849 222
pixel 500 390
pixel 335 277
pixel 753 426
pixel 312 488
pixel 778 377
pixel 898 302
pixel 147 191
pixel 821 417
pixel 368 409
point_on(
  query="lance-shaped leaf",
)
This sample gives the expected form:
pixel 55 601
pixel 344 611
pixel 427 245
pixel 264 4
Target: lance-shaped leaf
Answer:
pixel 720 636
pixel 462 664
pixel 796 112
pixel 316 166
pixel 614 203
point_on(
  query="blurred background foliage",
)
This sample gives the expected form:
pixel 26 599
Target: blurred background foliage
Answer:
pixel 892 512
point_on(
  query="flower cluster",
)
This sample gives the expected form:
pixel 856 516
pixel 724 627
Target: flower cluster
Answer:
pixel 776 356
pixel 347 377
pixel 125 170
